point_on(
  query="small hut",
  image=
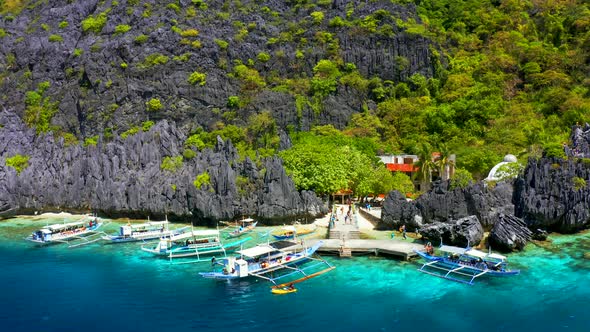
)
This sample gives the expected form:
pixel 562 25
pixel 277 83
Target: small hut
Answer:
pixel 342 196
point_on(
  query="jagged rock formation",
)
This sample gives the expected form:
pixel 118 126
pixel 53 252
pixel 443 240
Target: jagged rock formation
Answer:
pixel 509 233
pixel 442 205
pixel 463 232
pixel 540 234
pixel 124 177
pixel 551 194
pixel 554 194
pixel 397 211
pixel 103 79
pixel 580 138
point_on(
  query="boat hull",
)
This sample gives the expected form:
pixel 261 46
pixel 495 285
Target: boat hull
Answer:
pixel 256 268
pixel 64 239
pixel 473 268
pixel 188 251
pixel 282 291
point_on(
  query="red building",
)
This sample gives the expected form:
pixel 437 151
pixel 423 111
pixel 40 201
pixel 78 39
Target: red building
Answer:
pixel 401 163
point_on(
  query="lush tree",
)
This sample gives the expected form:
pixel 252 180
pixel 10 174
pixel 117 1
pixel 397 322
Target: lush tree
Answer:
pixel 425 166
pixel 461 178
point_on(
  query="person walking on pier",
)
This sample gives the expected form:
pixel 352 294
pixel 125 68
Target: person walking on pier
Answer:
pixel 403 230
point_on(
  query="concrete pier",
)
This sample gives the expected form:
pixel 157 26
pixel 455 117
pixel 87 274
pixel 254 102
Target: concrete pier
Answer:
pixel 397 248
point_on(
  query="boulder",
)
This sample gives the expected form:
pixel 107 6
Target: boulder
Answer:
pixel 509 233
pixel 397 211
pixel 468 231
pixel 463 232
pixel 437 231
pixel 540 235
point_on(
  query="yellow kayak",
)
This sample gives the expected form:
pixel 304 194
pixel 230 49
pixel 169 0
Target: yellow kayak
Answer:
pixel 283 290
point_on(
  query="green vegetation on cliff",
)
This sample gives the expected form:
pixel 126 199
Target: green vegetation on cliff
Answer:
pixel 479 78
pixel 18 162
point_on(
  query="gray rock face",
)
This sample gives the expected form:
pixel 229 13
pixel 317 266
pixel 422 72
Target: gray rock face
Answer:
pixel 443 205
pixel 540 234
pixel 91 71
pixel 124 177
pixel 509 233
pixel 397 211
pixel 463 232
pixel 554 194
pixel 580 138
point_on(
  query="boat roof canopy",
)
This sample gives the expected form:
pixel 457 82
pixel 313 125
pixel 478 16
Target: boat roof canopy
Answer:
pixel 57 227
pixel 476 253
pixel 497 256
pixel 195 233
pixel 290 228
pixel 150 223
pixel 256 251
pixel 247 220
pixel 452 249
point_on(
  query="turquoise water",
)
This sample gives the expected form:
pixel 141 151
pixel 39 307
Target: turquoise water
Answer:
pixel 118 287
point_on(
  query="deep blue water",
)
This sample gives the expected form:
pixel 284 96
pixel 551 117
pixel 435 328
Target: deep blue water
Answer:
pixel 118 288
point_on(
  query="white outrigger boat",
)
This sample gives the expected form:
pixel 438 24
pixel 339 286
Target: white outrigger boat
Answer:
pixel 463 265
pixel 143 232
pixel 275 262
pixel 245 226
pixel 201 244
pixel 84 231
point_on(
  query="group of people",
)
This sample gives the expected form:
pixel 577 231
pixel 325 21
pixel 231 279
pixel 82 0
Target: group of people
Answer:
pixel 335 216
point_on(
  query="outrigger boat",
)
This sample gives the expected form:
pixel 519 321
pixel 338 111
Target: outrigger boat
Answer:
pixel 463 264
pixel 85 230
pixel 201 244
pixel 274 262
pixel 247 225
pixel 143 232
pixel 290 232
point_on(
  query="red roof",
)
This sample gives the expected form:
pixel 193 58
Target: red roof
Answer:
pixel 343 192
pixel 401 167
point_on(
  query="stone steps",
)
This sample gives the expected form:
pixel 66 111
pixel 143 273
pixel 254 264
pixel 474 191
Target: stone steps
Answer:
pixel 345 252
pixel 344 235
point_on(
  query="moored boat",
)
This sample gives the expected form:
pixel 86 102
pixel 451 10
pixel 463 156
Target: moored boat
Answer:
pixel 201 244
pixel 290 232
pixel 463 264
pixel 272 262
pixel 143 232
pixel 81 230
pixel 245 226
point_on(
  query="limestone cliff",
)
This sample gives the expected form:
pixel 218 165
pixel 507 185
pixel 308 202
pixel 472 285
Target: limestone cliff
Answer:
pixel 102 76
pixel 125 177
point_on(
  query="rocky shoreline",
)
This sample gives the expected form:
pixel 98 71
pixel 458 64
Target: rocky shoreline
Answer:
pixel 124 177
pixel 550 196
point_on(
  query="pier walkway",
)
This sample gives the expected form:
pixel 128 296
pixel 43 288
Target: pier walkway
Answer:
pixel 398 248
pixel 344 236
pixel 344 227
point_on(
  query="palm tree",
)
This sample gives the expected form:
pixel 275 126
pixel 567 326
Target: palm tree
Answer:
pixel 445 163
pixel 425 166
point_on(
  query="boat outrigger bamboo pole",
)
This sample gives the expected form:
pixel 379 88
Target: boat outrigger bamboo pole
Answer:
pixel 304 278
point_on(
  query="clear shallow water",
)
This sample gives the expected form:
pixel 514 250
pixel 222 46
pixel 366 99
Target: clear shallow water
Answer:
pixel 117 287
